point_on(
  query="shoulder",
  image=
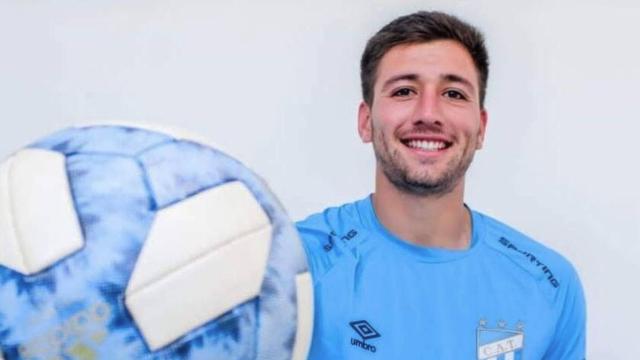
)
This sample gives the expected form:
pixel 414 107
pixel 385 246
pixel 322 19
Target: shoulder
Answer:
pixel 539 261
pixel 334 218
pixel 557 278
pixel 330 235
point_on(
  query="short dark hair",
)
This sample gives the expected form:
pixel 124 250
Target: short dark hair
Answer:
pixel 420 27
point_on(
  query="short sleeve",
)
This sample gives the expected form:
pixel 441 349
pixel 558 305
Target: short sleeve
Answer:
pixel 569 341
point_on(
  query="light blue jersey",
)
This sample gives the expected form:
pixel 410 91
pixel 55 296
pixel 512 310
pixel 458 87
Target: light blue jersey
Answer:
pixel 379 297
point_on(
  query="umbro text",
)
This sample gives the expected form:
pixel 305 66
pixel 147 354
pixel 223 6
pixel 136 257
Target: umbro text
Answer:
pixel 361 344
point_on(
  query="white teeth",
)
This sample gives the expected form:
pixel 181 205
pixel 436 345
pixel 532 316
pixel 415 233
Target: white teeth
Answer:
pixel 426 145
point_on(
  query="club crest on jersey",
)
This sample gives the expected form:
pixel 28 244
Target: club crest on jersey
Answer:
pixel 500 343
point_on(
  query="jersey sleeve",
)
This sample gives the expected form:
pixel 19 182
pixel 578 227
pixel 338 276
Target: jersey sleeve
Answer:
pixel 319 242
pixel 312 242
pixel 329 237
pixel 569 340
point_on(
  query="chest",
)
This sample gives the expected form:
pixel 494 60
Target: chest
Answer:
pixel 381 307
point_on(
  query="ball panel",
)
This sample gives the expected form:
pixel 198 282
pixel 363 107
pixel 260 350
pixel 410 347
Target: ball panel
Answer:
pixel 304 294
pixel 180 169
pixel 207 287
pixel 174 132
pixel 40 225
pixel 117 140
pixel 229 337
pixel 202 223
pixel 11 255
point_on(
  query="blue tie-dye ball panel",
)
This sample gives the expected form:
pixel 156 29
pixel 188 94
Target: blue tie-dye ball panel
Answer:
pixel 120 177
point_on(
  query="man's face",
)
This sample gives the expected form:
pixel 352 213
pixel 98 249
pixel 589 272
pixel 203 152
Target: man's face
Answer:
pixel 425 121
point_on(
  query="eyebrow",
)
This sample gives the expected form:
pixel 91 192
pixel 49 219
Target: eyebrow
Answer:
pixel 393 79
pixel 457 79
pixel 413 77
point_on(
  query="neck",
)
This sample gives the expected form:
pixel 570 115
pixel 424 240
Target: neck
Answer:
pixel 434 221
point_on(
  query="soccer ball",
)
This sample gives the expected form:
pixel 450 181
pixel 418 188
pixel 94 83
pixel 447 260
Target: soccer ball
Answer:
pixel 118 242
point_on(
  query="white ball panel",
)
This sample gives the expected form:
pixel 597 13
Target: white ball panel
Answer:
pixel 304 294
pixel 38 224
pixel 11 255
pixel 195 226
pixel 208 287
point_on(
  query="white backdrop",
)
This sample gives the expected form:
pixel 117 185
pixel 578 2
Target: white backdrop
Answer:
pixel 276 84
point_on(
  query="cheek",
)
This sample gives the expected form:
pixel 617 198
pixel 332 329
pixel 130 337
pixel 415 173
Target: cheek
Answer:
pixel 467 123
pixel 384 131
pixel 390 117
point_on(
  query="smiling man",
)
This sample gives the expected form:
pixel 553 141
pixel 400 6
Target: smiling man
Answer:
pixel 411 272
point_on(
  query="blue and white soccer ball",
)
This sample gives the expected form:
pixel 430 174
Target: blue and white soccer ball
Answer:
pixel 123 243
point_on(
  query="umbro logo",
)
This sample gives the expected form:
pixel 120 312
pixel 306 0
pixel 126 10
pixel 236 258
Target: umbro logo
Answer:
pixel 366 332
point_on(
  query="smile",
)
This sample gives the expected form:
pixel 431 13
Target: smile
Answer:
pixel 427 145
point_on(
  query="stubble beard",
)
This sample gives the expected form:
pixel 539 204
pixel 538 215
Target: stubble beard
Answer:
pixel 420 182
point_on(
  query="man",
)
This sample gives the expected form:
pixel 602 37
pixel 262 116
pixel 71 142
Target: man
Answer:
pixel 411 272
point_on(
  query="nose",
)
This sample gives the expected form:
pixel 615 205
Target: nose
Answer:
pixel 428 108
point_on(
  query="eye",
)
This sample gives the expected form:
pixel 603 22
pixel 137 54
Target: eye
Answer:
pixel 402 92
pixel 455 94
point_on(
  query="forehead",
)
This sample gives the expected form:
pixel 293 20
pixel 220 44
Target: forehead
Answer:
pixel 427 60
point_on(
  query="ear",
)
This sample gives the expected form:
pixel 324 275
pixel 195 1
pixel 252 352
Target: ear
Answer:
pixel 484 118
pixel 364 122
